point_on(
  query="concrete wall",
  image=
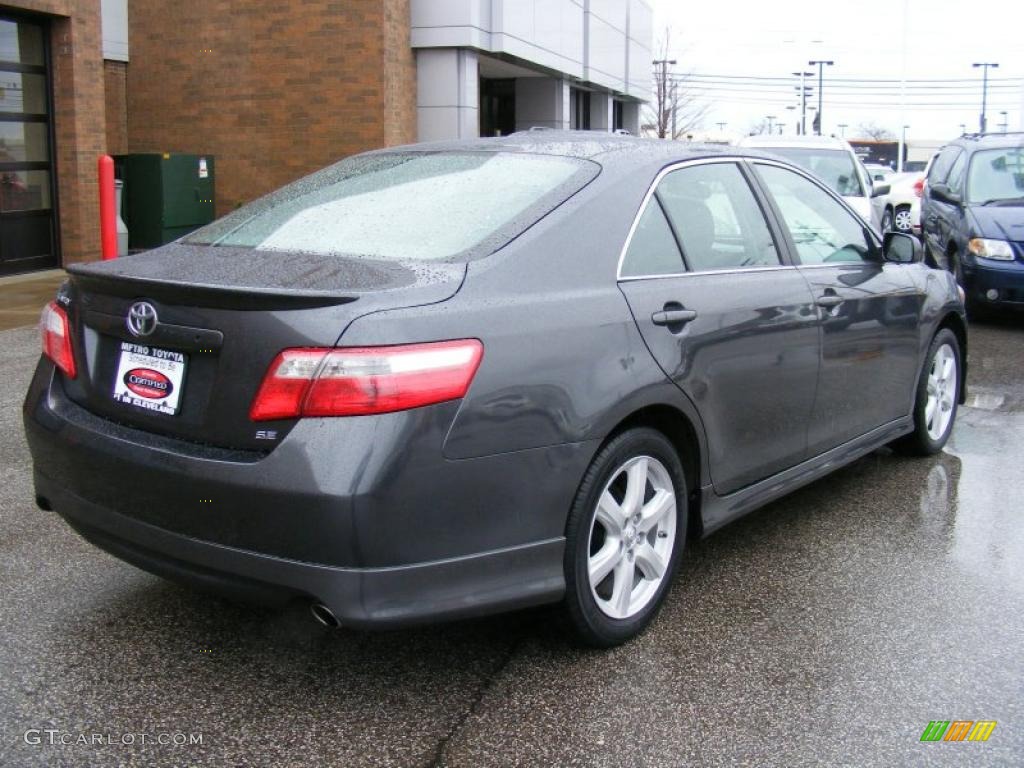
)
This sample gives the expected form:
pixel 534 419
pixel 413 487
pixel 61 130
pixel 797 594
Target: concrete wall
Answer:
pixel 542 101
pixel 447 100
pixel 604 45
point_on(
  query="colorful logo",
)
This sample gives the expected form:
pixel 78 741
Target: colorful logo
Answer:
pixel 958 730
pixel 148 383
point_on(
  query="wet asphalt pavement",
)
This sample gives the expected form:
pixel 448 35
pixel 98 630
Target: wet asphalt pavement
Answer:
pixel 826 629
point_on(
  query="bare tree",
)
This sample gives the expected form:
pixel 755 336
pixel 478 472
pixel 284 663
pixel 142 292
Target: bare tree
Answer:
pixel 676 110
pixel 875 132
pixel 757 128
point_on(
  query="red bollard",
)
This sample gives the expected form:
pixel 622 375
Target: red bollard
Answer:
pixel 108 215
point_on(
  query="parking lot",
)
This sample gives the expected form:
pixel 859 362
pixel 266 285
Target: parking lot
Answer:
pixel 826 629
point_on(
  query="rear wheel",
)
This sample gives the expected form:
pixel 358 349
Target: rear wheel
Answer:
pixel 938 394
pixel 624 538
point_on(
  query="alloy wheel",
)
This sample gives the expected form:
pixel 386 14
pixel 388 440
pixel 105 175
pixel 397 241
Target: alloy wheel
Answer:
pixel 941 388
pixel 902 222
pixel 632 535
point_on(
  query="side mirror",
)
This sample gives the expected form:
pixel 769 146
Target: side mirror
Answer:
pixel 881 189
pixel 942 192
pixel 901 248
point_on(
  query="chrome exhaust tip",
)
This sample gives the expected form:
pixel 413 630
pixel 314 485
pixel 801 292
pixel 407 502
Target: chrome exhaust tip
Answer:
pixel 323 615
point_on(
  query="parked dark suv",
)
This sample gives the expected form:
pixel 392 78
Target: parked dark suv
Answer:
pixel 972 216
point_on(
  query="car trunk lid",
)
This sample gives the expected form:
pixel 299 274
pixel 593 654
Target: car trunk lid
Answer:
pixel 220 316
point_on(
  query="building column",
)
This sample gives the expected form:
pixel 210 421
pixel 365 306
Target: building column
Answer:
pixel 631 117
pixel 542 102
pixel 600 111
pixel 80 127
pixel 447 94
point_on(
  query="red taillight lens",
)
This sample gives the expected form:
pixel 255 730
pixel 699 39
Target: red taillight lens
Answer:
pixel 919 187
pixel 365 380
pixel 56 337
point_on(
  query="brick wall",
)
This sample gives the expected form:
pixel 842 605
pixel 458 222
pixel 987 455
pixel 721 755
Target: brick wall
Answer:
pixel 115 77
pixel 79 119
pixel 273 90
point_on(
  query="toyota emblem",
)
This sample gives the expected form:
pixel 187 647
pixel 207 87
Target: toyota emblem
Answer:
pixel 141 318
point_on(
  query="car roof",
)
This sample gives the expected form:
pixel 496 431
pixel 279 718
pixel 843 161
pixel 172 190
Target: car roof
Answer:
pixel 589 145
pixel 972 141
pixel 793 142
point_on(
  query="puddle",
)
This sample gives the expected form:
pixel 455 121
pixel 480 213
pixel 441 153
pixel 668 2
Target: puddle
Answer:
pixel 986 401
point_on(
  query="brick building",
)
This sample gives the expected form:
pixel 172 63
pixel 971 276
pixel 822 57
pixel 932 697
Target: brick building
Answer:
pixel 276 90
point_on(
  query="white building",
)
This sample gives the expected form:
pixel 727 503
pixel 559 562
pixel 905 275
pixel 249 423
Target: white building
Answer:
pixel 491 67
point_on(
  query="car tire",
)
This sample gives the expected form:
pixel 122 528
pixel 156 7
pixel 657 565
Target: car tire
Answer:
pixel 954 265
pixel 937 398
pixel 902 221
pixel 887 221
pixel 621 535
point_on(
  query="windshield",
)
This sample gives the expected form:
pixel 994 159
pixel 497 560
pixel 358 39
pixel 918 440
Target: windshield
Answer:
pixel 833 166
pixel 996 174
pixel 411 205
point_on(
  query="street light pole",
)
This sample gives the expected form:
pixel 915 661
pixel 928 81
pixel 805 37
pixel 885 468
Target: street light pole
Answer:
pixel 984 88
pixel 821 63
pixel 802 126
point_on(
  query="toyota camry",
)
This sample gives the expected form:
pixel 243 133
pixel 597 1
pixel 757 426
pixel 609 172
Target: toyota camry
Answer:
pixel 446 380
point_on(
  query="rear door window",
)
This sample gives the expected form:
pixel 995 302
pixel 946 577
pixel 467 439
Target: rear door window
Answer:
pixel 716 218
pixel 652 249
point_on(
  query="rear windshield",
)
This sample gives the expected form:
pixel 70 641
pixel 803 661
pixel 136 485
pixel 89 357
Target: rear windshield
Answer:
pixel 833 166
pixel 408 205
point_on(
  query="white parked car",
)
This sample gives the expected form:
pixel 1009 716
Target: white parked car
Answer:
pixel 901 208
pixel 879 172
pixel 833 161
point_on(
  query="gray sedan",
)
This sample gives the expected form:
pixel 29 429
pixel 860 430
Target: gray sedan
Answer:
pixel 445 380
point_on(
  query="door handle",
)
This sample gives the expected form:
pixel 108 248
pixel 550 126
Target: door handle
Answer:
pixel 830 301
pixel 673 316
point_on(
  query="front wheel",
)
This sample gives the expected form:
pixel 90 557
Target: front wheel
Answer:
pixel 624 538
pixel 938 393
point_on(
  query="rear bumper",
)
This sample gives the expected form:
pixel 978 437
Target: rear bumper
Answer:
pixel 364 515
pixel 359 597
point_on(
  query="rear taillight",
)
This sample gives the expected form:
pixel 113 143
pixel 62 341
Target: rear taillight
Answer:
pixel 56 333
pixel 919 187
pixel 365 380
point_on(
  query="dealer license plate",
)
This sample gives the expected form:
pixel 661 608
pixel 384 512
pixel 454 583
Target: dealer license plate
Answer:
pixel 150 378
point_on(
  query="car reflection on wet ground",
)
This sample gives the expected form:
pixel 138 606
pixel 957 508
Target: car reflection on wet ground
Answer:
pixel 827 629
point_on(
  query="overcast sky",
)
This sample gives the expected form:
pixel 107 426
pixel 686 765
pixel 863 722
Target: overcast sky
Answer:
pixel 865 39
